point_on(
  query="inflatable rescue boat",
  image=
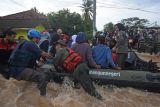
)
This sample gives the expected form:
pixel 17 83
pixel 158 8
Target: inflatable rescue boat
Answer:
pixel 127 78
pixel 122 78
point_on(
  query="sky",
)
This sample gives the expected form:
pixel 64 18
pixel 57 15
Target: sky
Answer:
pixel 107 10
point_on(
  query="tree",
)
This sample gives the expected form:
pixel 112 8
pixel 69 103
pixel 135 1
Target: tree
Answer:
pixel 70 22
pixel 109 27
pixel 87 8
pixel 134 22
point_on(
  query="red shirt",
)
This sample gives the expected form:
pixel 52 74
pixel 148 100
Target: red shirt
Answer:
pixel 114 56
pixel 5 51
pixel 7 46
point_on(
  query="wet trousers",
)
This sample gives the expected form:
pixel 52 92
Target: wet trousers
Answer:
pixel 81 75
pixel 39 77
pixel 120 59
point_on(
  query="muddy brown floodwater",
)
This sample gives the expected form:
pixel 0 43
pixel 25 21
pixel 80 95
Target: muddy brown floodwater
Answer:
pixel 25 94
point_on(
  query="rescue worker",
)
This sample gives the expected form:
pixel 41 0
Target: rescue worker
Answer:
pixel 23 62
pixel 7 44
pixel 121 46
pixel 80 71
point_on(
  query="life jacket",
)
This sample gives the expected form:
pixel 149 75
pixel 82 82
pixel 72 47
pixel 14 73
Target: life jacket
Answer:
pixel 5 51
pixel 22 58
pixel 9 46
pixel 72 60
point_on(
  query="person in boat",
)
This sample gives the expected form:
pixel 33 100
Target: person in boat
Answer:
pixel 54 38
pixel 66 38
pixel 59 35
pixel 70 61
pixel 121 46
pixel 73 39
pixel 7 45
pixel 44 45
pixel 22 62
pixel 21 39
pixel 44 41
pixel 83 48
pixel 103 55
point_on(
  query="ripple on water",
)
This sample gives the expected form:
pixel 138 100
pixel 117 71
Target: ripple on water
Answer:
pixel 25 94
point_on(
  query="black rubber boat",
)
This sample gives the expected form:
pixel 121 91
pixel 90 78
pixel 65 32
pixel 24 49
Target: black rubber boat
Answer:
pixel 127 78
pixel 123 78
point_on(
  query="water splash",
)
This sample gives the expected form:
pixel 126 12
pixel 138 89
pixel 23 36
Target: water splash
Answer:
pixel 25 94
pixel 15 93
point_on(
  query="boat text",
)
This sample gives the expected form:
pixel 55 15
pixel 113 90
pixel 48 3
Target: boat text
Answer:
pixel 110 74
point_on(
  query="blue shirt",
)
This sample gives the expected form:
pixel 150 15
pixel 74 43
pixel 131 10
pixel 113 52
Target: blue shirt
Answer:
pixel 30 47
pixel 33 48
pixel 102 56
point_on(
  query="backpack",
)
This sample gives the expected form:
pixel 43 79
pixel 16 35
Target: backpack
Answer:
pixel 72 60
pixel 21 57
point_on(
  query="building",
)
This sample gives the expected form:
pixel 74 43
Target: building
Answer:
pixel 23 21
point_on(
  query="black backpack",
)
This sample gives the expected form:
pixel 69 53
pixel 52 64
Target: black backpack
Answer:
pixel 22 58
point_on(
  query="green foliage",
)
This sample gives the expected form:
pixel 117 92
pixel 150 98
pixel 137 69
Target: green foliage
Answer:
pixel 109 27
pixel 87 9
pixel 89 35
pixel 73 22
pixel 69 22
pixel 134 22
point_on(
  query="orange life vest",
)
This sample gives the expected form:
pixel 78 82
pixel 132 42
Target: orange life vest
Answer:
pixel 72 60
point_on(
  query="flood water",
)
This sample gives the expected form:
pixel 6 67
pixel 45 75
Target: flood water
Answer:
pixel 25 94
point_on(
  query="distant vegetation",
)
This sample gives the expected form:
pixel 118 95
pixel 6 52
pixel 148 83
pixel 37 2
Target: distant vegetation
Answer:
pixel 74 22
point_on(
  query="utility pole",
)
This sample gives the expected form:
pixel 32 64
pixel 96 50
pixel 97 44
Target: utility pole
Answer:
pixel 94 18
